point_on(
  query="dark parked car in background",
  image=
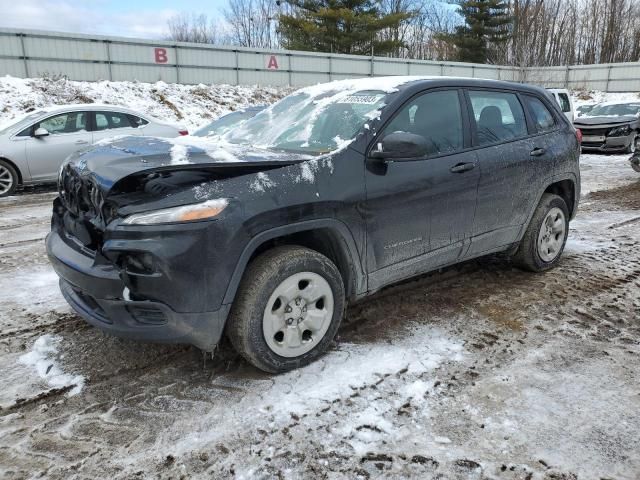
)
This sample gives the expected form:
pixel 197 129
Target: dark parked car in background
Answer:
pixel 611 127
pixel 321 199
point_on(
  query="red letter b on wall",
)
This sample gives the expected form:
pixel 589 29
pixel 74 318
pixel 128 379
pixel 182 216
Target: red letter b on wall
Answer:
pixel 161 55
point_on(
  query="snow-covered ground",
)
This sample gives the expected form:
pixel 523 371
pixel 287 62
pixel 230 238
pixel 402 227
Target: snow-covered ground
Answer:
pixel 481 371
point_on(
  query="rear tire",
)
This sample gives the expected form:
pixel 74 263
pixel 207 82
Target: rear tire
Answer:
pixel 288 309
pixel 8 179
pixel 543 243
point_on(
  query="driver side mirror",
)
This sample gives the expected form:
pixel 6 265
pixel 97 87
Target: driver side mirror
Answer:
pixel 401 146
pixel 41 132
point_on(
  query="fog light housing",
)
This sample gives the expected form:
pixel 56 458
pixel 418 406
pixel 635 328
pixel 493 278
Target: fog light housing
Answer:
pixel 139 263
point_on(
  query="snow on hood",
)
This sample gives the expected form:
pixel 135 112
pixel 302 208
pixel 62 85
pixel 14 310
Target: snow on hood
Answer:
pixel 109 161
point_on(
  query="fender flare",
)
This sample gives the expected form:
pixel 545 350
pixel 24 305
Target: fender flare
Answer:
pixel 343 232
pixel 550 181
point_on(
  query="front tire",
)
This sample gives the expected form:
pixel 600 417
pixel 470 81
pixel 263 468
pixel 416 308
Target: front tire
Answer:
pixel 634 145
pixel 546 236
pixel 287 310
pixel 8 179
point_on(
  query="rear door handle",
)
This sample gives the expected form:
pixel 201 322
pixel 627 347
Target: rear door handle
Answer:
pixel 462 167
pixel 537 152
pixel 81 142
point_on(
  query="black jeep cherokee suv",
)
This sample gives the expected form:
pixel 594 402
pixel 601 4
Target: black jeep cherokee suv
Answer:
pixel 267 232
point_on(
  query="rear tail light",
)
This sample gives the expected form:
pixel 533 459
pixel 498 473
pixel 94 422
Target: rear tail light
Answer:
pixel 579 135
pixel 184 132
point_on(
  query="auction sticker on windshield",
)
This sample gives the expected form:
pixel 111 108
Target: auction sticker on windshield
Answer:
pixel 362 99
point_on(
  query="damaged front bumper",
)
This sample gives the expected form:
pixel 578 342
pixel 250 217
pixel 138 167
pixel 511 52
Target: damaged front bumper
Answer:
pixel 594 143
pixel 99 292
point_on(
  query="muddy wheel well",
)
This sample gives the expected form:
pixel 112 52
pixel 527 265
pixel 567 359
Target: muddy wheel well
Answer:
pixel 566 190
pixel 15 167
pixel 324 241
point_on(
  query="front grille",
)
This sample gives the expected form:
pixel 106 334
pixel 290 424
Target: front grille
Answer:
pixel 594 131
pixel 80 196
pixel 84 204
pixel 92 305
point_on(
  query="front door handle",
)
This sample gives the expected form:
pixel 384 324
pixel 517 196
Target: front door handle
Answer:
pixel 463 167
pixel 537 152
pixel 81 142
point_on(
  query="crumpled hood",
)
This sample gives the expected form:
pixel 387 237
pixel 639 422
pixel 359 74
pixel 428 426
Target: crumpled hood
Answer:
pixel 111 161
pixel 605 120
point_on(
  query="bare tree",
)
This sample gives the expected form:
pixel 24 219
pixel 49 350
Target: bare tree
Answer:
pixel 195 28
pixel 253 23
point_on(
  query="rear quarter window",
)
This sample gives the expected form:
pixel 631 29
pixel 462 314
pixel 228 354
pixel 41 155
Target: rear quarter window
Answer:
pixel 543 119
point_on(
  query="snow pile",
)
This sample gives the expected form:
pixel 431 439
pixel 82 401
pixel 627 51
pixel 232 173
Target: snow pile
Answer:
pixel 43 358
pixel 583 97
pixel 189 105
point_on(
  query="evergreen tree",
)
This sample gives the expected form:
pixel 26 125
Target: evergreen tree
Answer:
pixel 339 26
pixel 486 25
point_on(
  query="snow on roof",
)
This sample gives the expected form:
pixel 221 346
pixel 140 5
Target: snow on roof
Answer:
pixel 385 84
pixel 84 106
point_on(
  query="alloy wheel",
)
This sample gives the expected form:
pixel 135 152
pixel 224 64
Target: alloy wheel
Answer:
pixel 6 180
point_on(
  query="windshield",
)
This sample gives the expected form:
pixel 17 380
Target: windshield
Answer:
pixel 311 121
pixel 223 124
pixel 615 110
pixel 20 122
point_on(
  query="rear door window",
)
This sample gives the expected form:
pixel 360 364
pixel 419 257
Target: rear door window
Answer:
pixel 542 118
pixel 112 120
pixel 436 116
pixel 498 116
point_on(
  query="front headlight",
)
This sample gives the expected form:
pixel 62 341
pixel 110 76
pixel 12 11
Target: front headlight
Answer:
pixel 184 213
pixel 622 131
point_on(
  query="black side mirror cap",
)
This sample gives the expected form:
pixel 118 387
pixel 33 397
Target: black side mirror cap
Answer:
pixel 401 146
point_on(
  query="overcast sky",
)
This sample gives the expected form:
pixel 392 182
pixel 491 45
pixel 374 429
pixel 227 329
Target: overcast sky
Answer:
pixel 132 18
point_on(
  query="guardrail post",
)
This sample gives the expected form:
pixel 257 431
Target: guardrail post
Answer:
pixel 177 64
pixel 606 89
pixel 566 78
pixel 24 55
pixel 330 57
pixel 237 67
pixel 108 45
pixel 371 71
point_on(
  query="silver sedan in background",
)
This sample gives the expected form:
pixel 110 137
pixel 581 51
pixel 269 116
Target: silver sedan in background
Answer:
pixel 33 148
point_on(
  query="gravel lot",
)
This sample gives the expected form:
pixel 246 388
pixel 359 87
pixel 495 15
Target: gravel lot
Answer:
pixel 479 371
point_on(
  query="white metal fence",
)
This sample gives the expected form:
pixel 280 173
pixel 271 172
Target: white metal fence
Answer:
pixel 30 53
